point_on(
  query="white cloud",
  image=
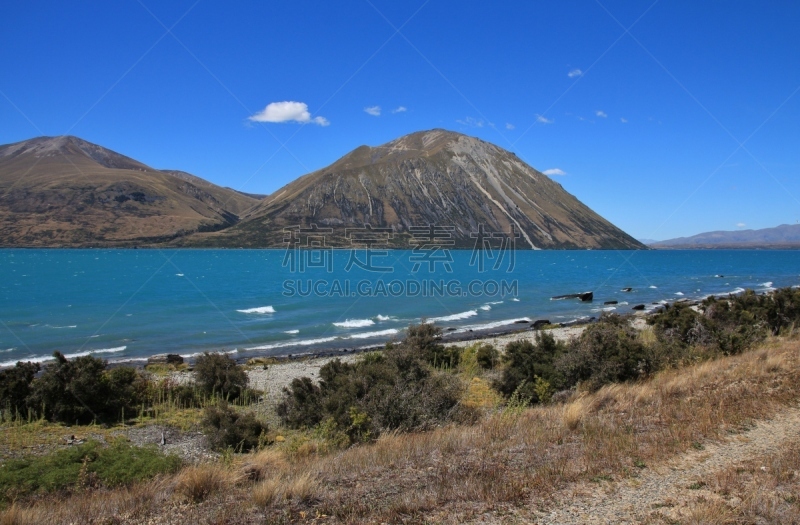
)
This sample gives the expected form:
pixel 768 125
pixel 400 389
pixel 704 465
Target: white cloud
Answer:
pixel 575 73
pixel 740 225
pixel 541 119
pixel 400 109
pixel 554 171
pixel 469 121
pixel 375 111
pixel 600 113
pixel 509 126
pixel 287 112
pixel 623 120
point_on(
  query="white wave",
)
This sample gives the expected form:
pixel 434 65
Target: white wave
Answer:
pixel 380 317
pixel 678 293
pixel 34 359
pixel 609 308
pixel 62 327
pixel 355 323
pixel 486 308
pixel 515 300
pixel 131 360
pixel 7 350
pixel 291 332
pixel 454 317
pixel 259 310
pixel 767 284
pixel 651 286
pixel 494 324
pixel 738 290
pixel 178 275
pixel 101 351
pixel 198 354
pixel 381 333
pixel 496 302
pixel 93 336
pixel 284 344
pixel 46 358
pixel 623 302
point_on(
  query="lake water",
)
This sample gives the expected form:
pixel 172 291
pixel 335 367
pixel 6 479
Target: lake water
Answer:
pixel 124 305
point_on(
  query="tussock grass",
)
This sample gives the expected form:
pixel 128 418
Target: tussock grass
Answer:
pixel 198 482
pixel 456 472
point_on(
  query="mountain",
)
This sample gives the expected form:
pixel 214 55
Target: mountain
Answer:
pixel 783 236
pixel 432 177
pixel 65 191
pixel 647 241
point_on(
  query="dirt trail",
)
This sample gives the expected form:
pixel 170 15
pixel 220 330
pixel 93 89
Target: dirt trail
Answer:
pixel 660 493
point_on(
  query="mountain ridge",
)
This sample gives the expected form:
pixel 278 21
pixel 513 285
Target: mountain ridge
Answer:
pixel 434 177
pixel 65 191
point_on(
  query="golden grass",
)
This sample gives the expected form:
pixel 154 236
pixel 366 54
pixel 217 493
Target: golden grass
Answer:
pixel 459 472
pixel 196 483
pixel 764 489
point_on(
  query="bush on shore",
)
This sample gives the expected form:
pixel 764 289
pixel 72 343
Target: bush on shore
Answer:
pixel 610 350
pixel 395 390
pixel 219 375
pixel 15 388
pixel 530 370
pixel 226 428
pixel 82 391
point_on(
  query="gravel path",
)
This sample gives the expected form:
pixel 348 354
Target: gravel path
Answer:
pixel 663 492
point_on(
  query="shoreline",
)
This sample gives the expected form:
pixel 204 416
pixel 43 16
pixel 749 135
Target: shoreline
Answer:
pixel 273 377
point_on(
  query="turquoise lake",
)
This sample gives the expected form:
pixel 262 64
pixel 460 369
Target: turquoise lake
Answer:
pixel 124 305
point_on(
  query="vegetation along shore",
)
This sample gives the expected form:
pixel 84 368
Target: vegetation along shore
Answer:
pixel 682 415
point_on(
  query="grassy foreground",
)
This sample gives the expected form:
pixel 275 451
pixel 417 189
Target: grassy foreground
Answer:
pixel 509 463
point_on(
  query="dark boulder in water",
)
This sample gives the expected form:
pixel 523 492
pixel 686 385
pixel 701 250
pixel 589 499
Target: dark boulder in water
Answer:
pixel 610 302
pixel 585 296
pixel 539 323
pixel 627 289
pixel 638 307
pixel 165 359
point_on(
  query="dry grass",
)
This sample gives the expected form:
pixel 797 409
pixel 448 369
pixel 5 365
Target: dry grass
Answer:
pixel 762 490
pixel 302 488
pixel 505 461
pixel 198 482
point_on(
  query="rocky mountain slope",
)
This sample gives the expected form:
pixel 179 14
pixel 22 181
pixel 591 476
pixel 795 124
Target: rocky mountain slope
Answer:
pixel 432 177
pixel 64 191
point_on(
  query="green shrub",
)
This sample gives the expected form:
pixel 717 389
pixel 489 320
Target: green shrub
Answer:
pixel 486 356
pixel 607 351
pixel 393 390
pixel 81 391
pixel 527 363
pixel 118 464
pixel 219 375
pixel 424 341
pixel 679 324
pixel 302 404
pixel 15 387
pixel 226 428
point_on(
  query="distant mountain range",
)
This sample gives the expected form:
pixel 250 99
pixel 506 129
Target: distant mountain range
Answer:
pixel 783 236
pixel 64 191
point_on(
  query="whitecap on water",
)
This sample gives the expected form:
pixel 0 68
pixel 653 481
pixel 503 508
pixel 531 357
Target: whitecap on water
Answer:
pixel 355 323
pixel 258 310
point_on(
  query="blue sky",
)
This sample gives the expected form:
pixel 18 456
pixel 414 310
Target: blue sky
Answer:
pixel 686 122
